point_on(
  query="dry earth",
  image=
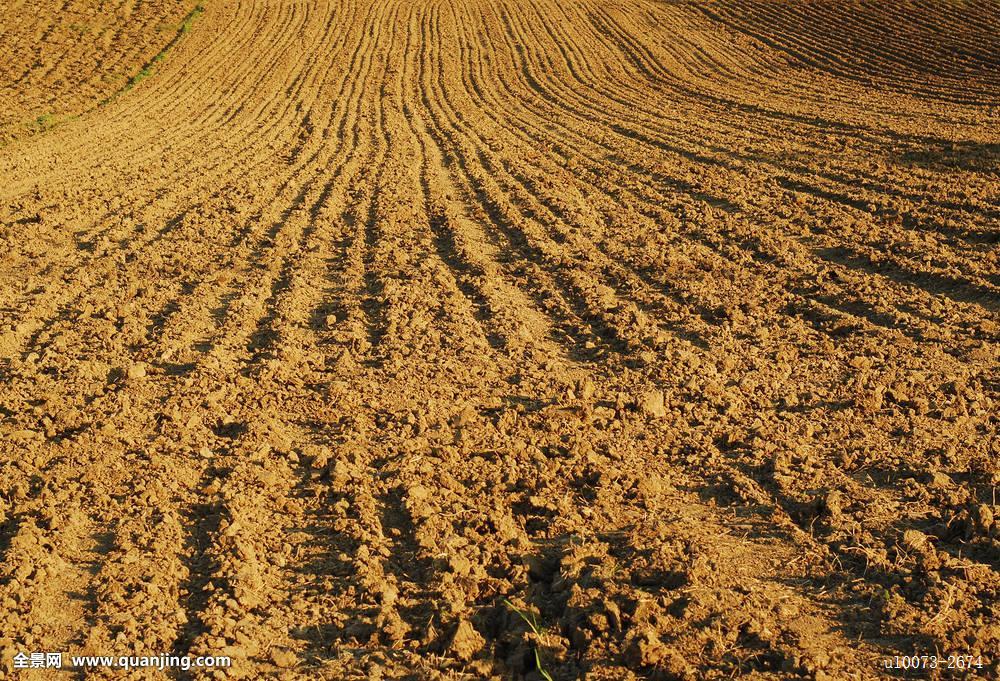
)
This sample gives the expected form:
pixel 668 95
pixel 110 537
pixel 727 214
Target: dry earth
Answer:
pixel 58 61
pixel 358 328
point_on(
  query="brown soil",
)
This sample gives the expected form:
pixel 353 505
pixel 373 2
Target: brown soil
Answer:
pixel 362 336
pixel 56 62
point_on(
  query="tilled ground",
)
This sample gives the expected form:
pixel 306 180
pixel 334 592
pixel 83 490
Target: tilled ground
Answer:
pixel 451 339
pixel 58 62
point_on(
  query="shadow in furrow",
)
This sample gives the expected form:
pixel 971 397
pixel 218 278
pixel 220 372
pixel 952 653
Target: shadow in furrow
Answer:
pixel 202 525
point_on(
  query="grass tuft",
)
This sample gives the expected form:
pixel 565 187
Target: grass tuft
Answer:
pixel 45 121
pixel 150 66
pixel 532 622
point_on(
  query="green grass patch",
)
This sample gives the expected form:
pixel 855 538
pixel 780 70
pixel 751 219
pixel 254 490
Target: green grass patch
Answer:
pixel 48 121
pixel 149 67
pixel 45 121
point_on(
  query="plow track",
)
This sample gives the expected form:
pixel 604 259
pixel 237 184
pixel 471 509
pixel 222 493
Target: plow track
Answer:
pixel 359 336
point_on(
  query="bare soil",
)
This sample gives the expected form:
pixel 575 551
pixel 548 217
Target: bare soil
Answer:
pixel 61 59
pixel 455 339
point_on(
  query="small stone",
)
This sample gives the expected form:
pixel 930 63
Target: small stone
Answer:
pixel 860 362
pixel 318 456
pixel 915 540
pixel 939 480
pixel 651 486
pixel 283 658
pixel 651 403
pixel 464 417
pixel 834 503
pixel 235 652
pixel 340 474
pixel 137 371
pixel 390 593
pixel 460 565
pixel 418 493
pixel 466 642
pixel 645 650
pixel 392 625
pixel 983 517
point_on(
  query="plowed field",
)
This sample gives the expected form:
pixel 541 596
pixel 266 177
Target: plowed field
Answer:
pixel 468 339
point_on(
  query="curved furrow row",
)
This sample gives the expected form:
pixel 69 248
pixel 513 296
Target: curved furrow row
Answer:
pixel 609 216
pixel 302 162
pixel 786 263
pixel 961 288
pixel 621 186
pixel 762 111
pixel 952 290
pixel 55 65
pixel 657 199
pixel 905 62
pixel 615 185
pixel 201 301
pixel 630 42
pixel 576 286
pixel 134 222
pixel 851 63
pixel 615 182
